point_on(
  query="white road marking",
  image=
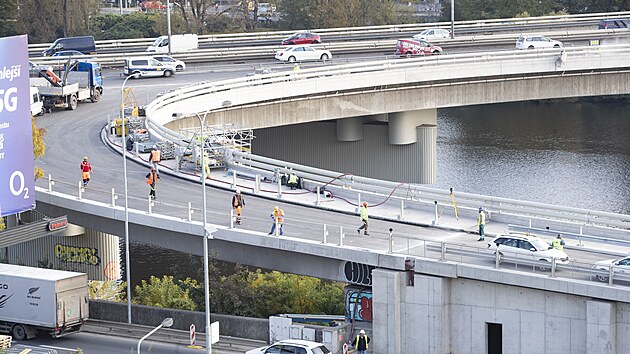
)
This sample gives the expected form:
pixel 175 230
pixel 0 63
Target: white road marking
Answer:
pixel 60 348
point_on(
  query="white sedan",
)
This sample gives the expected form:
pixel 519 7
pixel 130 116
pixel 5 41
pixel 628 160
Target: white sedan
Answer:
pixel 433 34
pixel 302 53
pixel 168 60
pixel 620 266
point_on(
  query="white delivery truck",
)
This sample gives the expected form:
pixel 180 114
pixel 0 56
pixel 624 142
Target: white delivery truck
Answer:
pixel 37 105
pixel 34 299
pixel 179 43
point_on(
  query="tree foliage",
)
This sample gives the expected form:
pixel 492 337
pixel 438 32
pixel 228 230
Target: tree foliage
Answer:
pixel 164 292
pixel 39 147
pixel 490 9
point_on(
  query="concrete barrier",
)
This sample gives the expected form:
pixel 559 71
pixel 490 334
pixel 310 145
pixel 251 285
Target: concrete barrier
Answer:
pixel 236 326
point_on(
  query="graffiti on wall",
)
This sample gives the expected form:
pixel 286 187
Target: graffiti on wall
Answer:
pixel 358 273
pixel 73 254
pixel 359 304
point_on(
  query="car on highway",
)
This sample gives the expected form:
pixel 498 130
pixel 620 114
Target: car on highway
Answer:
pixel 617 23
pixel 410 47
pixel 433 34
pixel 302 38
pixel 536 41
pixel 295 53
pixel 293 346
pixel 524 247
pixel 147 66
pixel 67 53
pixel 619 265
pixel 168 60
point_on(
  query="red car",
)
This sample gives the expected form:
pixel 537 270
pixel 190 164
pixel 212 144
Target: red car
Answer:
pixel 409 47
pixel 302 38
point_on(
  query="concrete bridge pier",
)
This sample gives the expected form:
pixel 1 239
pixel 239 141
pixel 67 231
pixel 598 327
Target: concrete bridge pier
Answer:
pixel 419 127
pixel 350 129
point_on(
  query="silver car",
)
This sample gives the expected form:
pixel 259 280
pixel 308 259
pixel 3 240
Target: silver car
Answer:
pixel 296 346
pixel 619 266
pixel 433 34
pixel 515 247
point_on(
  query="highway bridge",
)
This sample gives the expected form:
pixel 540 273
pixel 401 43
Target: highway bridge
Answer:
pixel 429 293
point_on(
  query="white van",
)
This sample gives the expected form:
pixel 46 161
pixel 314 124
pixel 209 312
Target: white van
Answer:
pixel 37 105
pixel 147 66
pixel 179 43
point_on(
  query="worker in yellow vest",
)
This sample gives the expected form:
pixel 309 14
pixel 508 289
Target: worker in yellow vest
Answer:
pixel 558 243
pixel 481 222
pixel 360 343
pixel 278 218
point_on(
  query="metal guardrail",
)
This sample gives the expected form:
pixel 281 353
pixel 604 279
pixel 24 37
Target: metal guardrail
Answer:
pixel 352 31
pixel 268 51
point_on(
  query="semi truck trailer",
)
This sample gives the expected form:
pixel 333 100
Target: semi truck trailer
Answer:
pixel 33 299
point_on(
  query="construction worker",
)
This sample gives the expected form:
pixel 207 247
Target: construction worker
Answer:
pixel 296 71
pixel 152 178
pixel 558 243
pixel 363 215
pixel 206 164
pixel 238 202
pixel 293 181
pixel 481 222
pixel 86 169
pixel 360 342
pixel 278 218
pixel 154 158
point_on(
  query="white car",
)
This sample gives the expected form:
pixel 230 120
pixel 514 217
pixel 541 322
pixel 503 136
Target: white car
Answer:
pixel 302 53
pixel 515 247
pixel 295 346
pixel 178 64
pixel 432 34
pixel 536 41
pixel 620 266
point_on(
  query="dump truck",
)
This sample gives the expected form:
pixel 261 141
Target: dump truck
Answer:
pixel 49 300
pixel 79 81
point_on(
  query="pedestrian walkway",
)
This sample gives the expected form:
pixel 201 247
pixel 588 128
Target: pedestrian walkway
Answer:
pixel 222 178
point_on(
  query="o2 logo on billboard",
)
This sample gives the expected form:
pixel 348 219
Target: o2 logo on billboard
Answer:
pixel 17 185
pixel 8 99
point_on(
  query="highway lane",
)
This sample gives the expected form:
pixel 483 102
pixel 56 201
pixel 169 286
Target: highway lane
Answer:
pixel 91 343
pixel 74 134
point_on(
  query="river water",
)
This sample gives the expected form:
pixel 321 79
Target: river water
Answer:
pixel 565 152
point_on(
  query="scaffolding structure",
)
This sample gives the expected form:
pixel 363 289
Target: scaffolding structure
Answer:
pixel 219 141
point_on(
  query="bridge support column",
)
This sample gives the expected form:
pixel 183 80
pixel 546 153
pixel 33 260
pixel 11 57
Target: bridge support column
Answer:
pixel 427 141
pixel 601 328
pixel 402 124
pixel 350 129
pixel 401 311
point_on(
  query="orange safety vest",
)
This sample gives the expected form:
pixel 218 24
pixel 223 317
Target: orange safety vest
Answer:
pixel 155 156
pixel 279 215
pixel 85 166
pixel 150 178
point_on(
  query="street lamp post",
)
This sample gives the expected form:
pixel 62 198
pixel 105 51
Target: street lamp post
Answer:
pixel 168 24
pixel 206 275
pixel 452 18
pixel 166 323
pixel 127 265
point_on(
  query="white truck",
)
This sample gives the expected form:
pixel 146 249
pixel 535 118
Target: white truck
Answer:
pixel 179 43
pixel 34 299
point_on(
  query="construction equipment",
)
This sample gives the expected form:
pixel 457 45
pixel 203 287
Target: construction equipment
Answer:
pixel 80 80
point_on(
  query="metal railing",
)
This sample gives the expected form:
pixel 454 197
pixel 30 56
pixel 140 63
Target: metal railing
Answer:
pixel 366 30
pixel 393 242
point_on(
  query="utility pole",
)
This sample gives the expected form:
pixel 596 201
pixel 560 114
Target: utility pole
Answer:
pixel 452 18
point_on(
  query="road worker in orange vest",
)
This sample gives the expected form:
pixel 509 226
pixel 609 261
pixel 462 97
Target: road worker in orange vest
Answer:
pixel 155 158
pixel 152 178
pixel 278 218
pixel 86 170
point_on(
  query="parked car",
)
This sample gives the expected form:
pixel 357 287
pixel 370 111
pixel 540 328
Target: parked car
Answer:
pixel 302 53
pixel 409 47
pixel 620 265
pixel 294 346
pixel 302 38
pixel 527 248
pixel 623 23
pixel 432 34
pixel 165 59
pixel 67 53
pixel 536 41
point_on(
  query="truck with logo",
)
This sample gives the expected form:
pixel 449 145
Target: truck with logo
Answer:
pixel 79 81
pixel 49 300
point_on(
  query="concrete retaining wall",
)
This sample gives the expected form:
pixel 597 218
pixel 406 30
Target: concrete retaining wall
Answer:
pixel 236 326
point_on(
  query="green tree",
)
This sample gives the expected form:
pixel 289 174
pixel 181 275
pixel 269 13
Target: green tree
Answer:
pixel 39 147
pixel 163 292
pixel 8 9
pixel 108 290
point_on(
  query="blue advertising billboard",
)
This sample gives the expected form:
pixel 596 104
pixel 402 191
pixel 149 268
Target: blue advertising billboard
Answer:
pixel 17 185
